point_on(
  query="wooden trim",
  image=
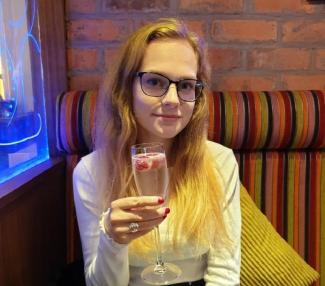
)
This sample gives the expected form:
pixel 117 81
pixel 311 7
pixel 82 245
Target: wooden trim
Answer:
pixel 18 185
pixel 51 15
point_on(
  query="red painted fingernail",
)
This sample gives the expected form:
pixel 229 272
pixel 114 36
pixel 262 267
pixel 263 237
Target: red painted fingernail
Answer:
pixel 167 210
pixel 161 200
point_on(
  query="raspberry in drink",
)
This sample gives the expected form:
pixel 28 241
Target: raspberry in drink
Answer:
pixel 150 173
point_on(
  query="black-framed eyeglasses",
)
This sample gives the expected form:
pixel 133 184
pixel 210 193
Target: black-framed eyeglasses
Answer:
pixel 156 85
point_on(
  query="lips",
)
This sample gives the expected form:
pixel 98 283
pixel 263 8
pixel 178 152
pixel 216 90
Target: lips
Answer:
pixel 167 119
pixel 167 116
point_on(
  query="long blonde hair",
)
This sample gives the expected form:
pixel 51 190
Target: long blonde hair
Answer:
pixel 196 198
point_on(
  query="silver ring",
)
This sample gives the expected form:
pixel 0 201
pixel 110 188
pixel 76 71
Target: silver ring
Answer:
pixel 133 226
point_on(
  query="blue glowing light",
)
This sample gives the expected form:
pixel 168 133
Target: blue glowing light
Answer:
pixel 14 141
pixel 23 136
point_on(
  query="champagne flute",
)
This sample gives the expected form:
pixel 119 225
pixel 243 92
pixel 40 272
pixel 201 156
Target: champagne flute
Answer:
pixel 150 171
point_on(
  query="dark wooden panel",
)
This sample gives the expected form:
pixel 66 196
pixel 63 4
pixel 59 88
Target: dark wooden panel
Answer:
pixel 52 36
pixel 32 231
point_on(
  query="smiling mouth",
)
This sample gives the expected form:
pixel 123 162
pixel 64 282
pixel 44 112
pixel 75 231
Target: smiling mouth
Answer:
pixel 167 116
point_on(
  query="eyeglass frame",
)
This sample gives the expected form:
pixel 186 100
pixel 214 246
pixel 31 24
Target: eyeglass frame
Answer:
pixel 198 83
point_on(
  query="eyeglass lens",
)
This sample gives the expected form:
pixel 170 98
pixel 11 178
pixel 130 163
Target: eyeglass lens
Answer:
pixel 157 85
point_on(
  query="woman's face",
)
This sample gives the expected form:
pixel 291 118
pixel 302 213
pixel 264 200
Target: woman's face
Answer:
pixel 162 118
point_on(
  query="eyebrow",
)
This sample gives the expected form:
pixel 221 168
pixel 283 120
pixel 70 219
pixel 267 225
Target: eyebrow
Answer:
pixel 165 75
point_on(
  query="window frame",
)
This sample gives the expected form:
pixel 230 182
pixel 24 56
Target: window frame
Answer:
pixel 53 56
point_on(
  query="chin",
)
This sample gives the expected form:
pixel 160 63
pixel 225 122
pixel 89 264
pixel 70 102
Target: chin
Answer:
pixel 168 135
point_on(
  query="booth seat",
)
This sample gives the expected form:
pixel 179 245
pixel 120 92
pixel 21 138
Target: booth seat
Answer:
pixel 279 141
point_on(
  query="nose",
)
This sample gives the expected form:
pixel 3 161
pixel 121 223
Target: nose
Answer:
pixel 171 97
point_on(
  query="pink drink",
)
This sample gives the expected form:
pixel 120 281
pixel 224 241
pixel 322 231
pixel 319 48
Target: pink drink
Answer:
pixel 150 173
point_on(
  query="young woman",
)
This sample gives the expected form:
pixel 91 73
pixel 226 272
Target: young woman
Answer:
pixel 156 94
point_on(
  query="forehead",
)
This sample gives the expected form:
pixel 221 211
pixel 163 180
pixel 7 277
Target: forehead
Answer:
pixel 172 57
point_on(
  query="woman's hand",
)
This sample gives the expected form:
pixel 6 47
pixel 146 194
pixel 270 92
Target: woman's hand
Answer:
pixel 143 211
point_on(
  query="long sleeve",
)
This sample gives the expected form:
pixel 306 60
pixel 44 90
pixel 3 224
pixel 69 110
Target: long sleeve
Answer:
pixel 106 262
pixel 223 266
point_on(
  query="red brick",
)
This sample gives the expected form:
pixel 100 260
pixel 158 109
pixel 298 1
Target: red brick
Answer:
pixel 279 59
pixel 97 30
pixel 211 6
pixel 286 6
pixel 110 57
pixel 224 59
pixel 80 6
pixel 301 82
pixel 304 31
pixel 246 82
pixel 196 27
pixel 312 8
pixel 141 22
pixel 320 59
pixel 84 82
pixel 136 5
pixel 290 6
pixel 248 31
pixel 82 59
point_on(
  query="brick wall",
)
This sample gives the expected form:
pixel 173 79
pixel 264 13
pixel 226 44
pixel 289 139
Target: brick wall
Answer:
pixel 253 44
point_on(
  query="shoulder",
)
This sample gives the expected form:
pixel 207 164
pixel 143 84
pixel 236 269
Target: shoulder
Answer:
pixel 87 185
pixel 87 165
pixel 226 166
pixel 223 156
pixel 85 172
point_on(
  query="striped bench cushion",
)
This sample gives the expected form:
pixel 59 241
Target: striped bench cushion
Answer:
pixel 75 114
pixel 289 188
pixel 268 120
pixel 240 120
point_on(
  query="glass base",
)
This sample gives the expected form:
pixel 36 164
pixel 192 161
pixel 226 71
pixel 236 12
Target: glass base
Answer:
pixel 160 275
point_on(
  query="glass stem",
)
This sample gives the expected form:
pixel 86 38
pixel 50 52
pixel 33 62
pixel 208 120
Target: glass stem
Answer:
pixel 159 260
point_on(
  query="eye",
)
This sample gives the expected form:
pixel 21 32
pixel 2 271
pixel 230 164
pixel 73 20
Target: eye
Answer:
pixel 187 85
pixel 154 81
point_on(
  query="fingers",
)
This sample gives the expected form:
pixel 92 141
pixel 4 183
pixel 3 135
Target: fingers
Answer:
pixel 145 211
pixel 122 233
pixel 137 202
pixel 143 226
pixel 148 214
pixel 120 216
pixel 127 238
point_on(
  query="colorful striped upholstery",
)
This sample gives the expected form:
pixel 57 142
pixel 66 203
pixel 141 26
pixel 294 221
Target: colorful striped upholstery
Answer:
pixel 240 120
pixel 289 188
pixel 268 120
pixel 75 120
pixel 279 142
pixel 75 113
